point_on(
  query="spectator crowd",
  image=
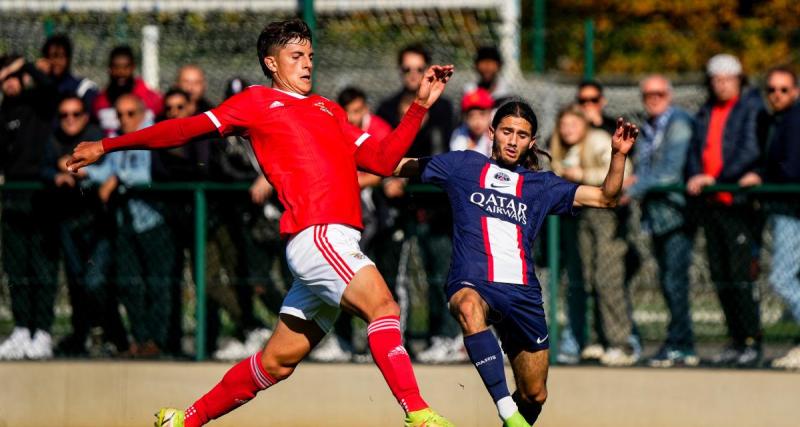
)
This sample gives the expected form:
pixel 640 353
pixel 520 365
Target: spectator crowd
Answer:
pixel 124 250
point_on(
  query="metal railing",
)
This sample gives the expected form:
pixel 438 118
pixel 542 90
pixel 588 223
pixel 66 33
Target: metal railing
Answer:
pixel 553 283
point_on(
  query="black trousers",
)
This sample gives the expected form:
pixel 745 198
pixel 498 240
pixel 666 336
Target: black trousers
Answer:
pixel 30 255
pixel 730 244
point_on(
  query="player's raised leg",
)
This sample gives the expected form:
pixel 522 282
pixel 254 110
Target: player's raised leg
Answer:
pixel 471 311
pixel 530 372
pixel 368 296
pixel 292 340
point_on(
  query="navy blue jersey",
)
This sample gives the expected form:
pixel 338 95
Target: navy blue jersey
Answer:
pixel 497 214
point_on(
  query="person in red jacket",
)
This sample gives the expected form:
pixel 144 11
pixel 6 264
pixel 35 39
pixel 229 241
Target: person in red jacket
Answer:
pixel 309 153
pixel 121 80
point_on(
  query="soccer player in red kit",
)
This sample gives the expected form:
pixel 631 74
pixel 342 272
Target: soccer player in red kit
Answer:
pixel 310 154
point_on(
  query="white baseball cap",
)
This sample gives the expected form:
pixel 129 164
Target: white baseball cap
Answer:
pixel 724 64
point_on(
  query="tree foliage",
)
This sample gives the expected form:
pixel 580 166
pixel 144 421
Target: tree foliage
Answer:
pixel 677 36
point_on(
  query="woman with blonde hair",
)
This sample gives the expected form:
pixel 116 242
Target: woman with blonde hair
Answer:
pixel 593 245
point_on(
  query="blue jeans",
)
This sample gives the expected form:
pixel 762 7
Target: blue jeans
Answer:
pixel 786 260
pixel 673 252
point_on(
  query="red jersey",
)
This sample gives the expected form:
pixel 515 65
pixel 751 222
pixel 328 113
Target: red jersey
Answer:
pixel 305 147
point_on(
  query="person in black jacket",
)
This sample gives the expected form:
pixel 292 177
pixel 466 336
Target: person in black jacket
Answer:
pixel 85 228
pixel 724 149
pixel 186 163
pixel 428 221
pixel 780 164
pixel 28 231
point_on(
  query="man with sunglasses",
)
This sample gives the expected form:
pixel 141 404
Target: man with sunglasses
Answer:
pixel 778 130
pixel 185 163
pixel 659 160
pixel 144 250
pixel 84 228
pixel 428 220
pixel 590 99
pixel 781 94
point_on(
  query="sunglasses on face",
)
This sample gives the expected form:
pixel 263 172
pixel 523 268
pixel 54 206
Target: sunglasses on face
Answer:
pixel 773 89
pixel 592 100
pixel 409 70
pixel 129 114
pixel 65 114
pixel 654 94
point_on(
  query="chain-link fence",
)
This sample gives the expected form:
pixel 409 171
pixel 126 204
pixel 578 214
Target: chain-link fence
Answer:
pixel 735 289
pixel 353 47
pixel 718 281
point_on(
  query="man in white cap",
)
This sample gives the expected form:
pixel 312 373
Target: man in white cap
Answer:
pixel 725 149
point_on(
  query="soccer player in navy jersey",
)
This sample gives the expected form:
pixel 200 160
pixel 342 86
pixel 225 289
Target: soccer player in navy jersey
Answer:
pixel 309 153
pixel 499 205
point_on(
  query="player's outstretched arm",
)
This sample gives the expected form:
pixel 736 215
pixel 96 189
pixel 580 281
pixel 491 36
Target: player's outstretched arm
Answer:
pixel 382 157
pixel 607 195
pixel 169 133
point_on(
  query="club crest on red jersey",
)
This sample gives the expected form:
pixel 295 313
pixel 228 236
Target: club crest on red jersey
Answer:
pixel 322 107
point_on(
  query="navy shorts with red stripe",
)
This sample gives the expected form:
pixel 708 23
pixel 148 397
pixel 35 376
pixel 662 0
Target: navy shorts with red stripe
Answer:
pixel 515 311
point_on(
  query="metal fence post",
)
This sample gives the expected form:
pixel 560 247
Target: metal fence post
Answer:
pixel 200 210
pixel 307 7
pixel 49 27
pixel 150 70
pixel 554 264
pixel 588 49
pixel 538 36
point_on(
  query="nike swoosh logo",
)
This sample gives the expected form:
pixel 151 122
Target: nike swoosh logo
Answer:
pixel 493 185
pixel 541 340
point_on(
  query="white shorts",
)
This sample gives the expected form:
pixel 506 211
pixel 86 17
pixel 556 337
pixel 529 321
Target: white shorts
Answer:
pixel 323 259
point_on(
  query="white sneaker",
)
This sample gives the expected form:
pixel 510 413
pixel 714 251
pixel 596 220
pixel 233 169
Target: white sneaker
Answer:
pixel 444 350
pixel 13 348
pixel 256 339
pixel 330 350
pixel 458 353
pixel 616 356
pixel 232 350
pixel 40 347
pixel 593 352
pixel 437 352
pixel 789 361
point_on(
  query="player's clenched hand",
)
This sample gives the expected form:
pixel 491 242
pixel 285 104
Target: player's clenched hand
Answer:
pixel 433 84
pixel 624 137
pixel 85 154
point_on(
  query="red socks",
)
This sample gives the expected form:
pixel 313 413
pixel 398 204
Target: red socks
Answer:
pixel 239 385
pixel 386 344
pixel 245 379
